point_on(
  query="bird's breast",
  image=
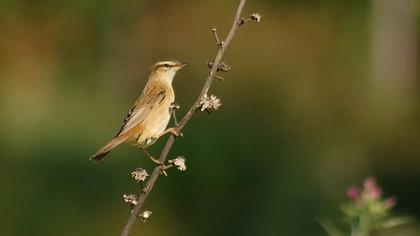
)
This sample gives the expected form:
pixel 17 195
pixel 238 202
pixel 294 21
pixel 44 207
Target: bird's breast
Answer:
pixel 157 121
pixel 153 126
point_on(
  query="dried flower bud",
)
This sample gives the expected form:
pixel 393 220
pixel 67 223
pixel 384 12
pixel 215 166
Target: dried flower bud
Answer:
pixel 210 103
pixel 174 106
pixel 179 162
pixel 256 16
pixel 139 174
pixel 222 67
pixel 145 215
pixel 130 199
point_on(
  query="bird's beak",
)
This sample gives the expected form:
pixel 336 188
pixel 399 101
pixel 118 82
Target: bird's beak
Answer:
pixel 182 64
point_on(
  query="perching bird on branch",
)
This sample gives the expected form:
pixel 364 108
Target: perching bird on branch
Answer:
pixel 147 119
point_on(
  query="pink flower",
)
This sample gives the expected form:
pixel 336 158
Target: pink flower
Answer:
pixel 369 183
pixel 353 192
pixel 390 202
pixel 371 190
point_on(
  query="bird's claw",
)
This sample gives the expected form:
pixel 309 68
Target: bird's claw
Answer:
pixel 176 133
pixel 173 131
pixel 162 166
pixel 156 161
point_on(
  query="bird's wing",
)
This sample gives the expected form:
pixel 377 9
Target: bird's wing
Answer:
pixel 142 108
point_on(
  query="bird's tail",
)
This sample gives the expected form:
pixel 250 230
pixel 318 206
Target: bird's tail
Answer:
pixel 108 147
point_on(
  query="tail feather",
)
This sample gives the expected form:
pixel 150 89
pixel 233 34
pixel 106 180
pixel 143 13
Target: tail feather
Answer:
pixel 107 148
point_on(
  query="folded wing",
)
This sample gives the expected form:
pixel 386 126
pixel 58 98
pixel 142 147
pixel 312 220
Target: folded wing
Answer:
pixel 142 108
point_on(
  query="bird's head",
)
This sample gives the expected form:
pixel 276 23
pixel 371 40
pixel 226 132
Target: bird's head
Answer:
pixel 167 69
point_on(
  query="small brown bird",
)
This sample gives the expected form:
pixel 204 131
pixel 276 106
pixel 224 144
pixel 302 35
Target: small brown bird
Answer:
pixel 147 119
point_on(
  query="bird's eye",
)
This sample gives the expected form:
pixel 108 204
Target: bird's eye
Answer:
pixel 167 65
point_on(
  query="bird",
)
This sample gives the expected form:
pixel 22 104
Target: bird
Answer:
pixel 148 118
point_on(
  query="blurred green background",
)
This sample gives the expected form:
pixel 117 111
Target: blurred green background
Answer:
pixel 321 95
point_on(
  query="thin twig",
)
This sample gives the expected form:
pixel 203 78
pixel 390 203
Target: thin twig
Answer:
pixel 216 37
pixel 144 193
pixel 219 77
pixel 245 20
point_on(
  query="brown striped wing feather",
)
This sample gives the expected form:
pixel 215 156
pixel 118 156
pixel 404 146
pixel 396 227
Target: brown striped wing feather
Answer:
pixel 150 99
pixel 142 108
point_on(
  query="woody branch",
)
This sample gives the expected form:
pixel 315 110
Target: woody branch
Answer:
pixel 216 66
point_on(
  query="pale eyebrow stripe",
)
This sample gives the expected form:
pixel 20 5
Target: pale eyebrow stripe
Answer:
pixel 163 64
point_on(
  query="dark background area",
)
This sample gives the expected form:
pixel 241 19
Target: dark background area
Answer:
pixel 321 95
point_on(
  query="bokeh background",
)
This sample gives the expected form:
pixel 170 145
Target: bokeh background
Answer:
pixel 321 95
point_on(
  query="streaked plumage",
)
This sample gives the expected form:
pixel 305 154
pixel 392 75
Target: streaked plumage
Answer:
pixel 150 115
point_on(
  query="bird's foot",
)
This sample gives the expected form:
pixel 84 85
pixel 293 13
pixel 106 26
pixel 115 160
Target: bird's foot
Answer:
pixel 156 161
pixel 160 164
pixel 173 131
pixel 162 167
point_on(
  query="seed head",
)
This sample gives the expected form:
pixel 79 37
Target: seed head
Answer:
pixel 210 103
pixel 130 199
pixel 139 174
pixel 179 162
